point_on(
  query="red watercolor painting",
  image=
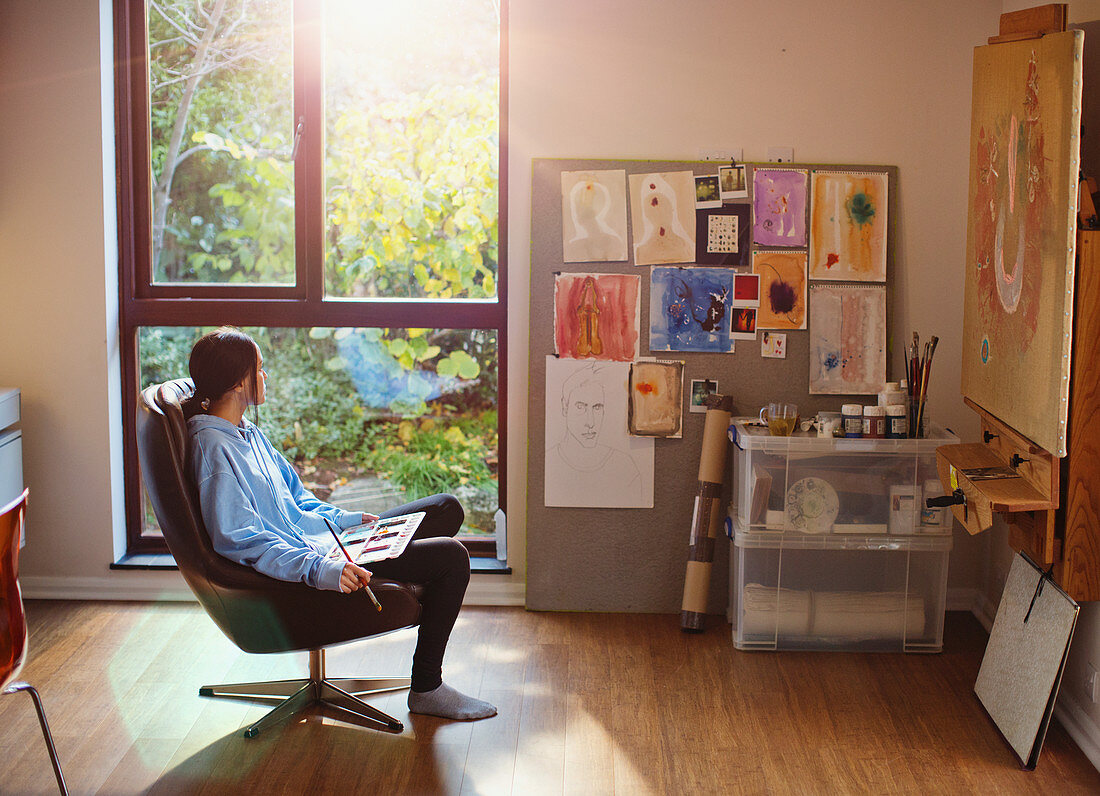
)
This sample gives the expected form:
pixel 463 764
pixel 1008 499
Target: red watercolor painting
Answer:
pixel 596 316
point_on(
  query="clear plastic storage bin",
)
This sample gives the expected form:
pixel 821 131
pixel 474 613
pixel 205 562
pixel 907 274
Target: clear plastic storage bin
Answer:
pixel 833 486
pixel 835 592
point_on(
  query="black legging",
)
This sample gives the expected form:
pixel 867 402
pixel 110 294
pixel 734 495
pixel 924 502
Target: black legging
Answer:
pixel 441 565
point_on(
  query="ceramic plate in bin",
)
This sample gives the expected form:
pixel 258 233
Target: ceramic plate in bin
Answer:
pixel 812 505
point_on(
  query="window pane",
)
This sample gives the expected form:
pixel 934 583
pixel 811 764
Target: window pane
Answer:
pixel 371 418
pixel 412 117
pixel 221 131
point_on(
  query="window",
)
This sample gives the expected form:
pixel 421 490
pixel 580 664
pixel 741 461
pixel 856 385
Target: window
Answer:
pixel 327 174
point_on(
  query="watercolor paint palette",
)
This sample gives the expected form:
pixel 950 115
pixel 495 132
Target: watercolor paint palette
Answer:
pixel 378 540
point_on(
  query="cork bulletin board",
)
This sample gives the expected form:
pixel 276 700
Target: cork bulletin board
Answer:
pixel 633 559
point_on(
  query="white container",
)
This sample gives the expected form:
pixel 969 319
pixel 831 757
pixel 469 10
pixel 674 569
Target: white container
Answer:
pixel 852 415
pixel 860 472
pixel 904 516
pixel 793 592
pixel 828 424
pixel 9 406
pixel 893 394
pixel 897 421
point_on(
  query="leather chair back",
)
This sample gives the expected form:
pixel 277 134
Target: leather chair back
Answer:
pixel 258 613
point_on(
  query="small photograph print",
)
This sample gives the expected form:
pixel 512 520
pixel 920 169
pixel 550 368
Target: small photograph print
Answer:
pixel 746 290
pixel 773 345
pixel 731 182
pixel 707 192
pixel 743 323
pixel 700 389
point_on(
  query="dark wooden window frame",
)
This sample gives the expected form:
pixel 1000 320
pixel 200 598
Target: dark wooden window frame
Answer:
pixel 141 303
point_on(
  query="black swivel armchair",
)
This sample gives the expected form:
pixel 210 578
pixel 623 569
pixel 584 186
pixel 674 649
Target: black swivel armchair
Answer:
pixel 260 614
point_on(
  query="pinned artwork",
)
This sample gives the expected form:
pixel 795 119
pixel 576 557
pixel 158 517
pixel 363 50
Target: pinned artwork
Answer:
pixel 746 290
pixel 662 211
pixel 723 235
pixel 700 389
pixel 1018 302
pixel 743 323
pixel 782 289
pixel 847 339
pixel 779 207
pixel 591 460
pixel 707 192
pixel 597 316
pixel 689 309
pixel 656 399
pixel 773 345
pixel 848 226
pixel 593 216
pixel 731 182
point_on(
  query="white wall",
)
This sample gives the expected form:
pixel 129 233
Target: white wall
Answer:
pixel 856 81
pixel 57 265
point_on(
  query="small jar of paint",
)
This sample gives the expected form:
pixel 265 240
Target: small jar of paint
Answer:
pixel 874 422
pixel 852 415
pixel 897 421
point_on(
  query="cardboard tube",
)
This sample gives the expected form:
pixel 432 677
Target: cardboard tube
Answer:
pixel 697 587
pixel 707 515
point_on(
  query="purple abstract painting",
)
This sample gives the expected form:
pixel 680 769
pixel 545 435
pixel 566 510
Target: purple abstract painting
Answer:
pixel 779 207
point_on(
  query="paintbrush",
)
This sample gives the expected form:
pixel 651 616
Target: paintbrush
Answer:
pixel 926 369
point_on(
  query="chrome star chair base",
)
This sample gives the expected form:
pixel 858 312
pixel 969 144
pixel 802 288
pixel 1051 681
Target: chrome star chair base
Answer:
pixel 340 696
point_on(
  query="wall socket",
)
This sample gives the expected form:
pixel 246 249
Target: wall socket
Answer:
pixel 1091 683
pixel 780 154
pixel 721 153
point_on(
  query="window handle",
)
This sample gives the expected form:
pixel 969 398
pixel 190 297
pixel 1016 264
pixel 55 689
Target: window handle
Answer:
pixel 298 130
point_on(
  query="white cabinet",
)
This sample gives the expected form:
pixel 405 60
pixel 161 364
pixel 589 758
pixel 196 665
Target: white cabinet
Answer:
pixel 11 448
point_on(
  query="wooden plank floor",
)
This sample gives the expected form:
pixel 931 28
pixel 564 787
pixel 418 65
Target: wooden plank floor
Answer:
pixel 589 704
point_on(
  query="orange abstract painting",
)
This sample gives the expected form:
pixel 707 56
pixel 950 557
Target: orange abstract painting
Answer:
pixel 782 289
pixel 848 226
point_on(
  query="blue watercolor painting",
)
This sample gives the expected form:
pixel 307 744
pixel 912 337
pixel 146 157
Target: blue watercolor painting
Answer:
pixel 689 309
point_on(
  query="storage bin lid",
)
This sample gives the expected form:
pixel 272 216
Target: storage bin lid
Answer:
pixel 792 540
pixel 747 434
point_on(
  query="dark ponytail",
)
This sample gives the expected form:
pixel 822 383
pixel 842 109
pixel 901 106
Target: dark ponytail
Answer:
pixel 221 360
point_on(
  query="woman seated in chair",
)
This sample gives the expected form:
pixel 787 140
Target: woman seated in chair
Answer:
pixel 258 514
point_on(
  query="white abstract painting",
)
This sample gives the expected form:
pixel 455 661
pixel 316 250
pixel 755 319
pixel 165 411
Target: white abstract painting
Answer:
pixel 593 216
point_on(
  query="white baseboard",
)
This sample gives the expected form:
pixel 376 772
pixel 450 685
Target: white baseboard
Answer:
pixel 495 590
pixel 142 585
pixel 961 599
pixel 1080 726
pixel 170 586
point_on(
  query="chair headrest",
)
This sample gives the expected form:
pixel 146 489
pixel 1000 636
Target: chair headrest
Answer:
pixel 169 398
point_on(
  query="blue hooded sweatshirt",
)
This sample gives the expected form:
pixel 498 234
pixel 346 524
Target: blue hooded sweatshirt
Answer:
pixel 255 507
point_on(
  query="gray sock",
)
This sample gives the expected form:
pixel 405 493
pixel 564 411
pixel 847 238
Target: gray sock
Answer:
pixel 450 704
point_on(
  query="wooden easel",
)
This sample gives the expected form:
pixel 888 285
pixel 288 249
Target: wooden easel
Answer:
pixel 1053 507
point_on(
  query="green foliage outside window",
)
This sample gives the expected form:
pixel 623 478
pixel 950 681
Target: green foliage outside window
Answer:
pixel 411 212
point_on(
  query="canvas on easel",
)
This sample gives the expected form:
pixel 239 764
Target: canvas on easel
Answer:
pixel 1020 249
pixel 1025 657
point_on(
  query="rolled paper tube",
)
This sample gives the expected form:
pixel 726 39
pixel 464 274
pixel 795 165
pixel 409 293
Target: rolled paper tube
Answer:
pixel 707 516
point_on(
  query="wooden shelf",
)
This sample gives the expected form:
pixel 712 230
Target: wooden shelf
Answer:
pixel 984 497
